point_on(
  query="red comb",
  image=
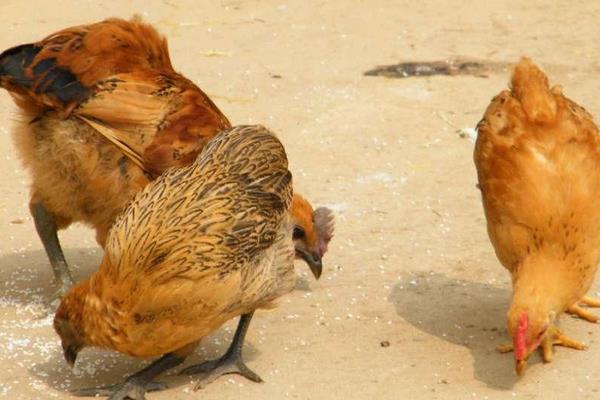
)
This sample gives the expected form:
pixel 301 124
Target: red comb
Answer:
pixel 520 346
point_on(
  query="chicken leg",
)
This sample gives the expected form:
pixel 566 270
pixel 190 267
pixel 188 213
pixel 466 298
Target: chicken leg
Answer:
pixel 46 229
pixel 581 312
pixel 230 363
pixel 135 386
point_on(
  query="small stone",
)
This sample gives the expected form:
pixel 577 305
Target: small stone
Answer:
pixel 385 343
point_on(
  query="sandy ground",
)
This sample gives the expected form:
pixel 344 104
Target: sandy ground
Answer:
pixel 410 264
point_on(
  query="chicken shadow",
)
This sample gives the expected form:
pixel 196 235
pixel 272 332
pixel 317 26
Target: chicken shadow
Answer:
pixel 470 314
pixel 27 283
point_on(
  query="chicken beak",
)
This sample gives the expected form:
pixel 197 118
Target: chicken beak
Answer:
pixel 520 367
pixel 313 260
pixel 70 353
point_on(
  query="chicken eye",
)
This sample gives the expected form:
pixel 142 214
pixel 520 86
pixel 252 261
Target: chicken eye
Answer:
pixel 298 233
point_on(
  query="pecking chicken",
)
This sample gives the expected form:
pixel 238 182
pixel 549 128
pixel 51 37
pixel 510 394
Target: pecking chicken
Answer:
pixel 538 163
pixel 103 113
pixel 198 246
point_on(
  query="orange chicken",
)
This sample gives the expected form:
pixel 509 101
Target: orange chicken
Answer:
pixel 538 163
pixel 103 113
pixel 198 246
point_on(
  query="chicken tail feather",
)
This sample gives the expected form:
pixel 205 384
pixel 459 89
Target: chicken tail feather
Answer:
pixel 530 87
pixel 24 72
pixel 13 63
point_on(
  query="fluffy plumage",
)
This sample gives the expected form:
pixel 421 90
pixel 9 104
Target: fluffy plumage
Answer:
pixel 104 113
pixel 538 163
pixel 200 245
pixel 115 78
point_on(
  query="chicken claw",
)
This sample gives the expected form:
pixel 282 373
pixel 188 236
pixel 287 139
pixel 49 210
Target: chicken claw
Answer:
pixel 230 363
pixel 581 312
pixel 590 301
pixel 136 386
pixel 214 369
pixel 132 388
pixel 554 337
pixel 505 348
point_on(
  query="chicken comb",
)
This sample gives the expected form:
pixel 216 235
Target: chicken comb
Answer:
pixel 520 346
pixel 324 224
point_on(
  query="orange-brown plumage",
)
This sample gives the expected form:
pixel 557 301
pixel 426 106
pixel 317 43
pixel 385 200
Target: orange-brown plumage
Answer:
pixel 197 247
pixel 114 75
pixel 538 163
pixel 103 114
pixel 119 74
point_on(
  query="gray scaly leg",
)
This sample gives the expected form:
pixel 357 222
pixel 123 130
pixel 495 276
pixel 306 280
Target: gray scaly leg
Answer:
pixel 136 386
pixel 230 363
pixel 46 229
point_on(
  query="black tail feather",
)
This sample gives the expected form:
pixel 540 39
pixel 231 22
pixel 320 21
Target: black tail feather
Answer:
pixel 14 62
pixel 46 77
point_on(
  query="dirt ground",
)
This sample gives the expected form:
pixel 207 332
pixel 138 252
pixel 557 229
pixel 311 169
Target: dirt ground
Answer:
pixel 410 266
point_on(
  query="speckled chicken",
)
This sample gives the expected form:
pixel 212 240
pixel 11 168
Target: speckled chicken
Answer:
pixel 538 162
pixel 200 245
pixel 103 114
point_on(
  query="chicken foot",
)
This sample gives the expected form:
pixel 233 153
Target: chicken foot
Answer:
pixel 553 337
pixel 47 231
pixel 230 363
pixel 135 386
pixel 581 312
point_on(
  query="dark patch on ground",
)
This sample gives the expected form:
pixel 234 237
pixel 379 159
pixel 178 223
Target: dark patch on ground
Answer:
pixel 451 67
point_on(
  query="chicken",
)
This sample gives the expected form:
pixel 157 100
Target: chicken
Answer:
pixel 103 113
pixel 198 246
pixel 538 162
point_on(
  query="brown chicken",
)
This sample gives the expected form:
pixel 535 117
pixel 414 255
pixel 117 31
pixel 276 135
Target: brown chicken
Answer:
pixel 104 113
pixel 538 162
pixel 198 246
